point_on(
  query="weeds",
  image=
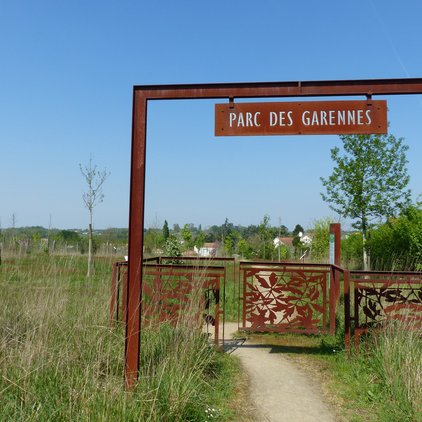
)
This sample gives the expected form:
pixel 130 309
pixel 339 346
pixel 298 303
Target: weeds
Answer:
pixel 60 359
pixel 395 355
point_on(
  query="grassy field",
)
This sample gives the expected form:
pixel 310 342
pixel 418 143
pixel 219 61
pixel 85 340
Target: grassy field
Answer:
pixel 60 359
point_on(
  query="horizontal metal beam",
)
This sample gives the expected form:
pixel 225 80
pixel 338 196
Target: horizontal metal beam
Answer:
pixel 282 89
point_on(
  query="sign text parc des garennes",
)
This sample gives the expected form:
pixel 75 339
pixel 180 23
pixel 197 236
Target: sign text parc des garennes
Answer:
pixel 301 118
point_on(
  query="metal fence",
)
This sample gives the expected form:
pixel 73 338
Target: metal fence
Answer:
pixel 288 297
pixel 176 290
pixel 270 296
pixel 372 298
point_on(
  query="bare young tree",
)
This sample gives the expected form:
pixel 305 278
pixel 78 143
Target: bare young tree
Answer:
pixel 94 179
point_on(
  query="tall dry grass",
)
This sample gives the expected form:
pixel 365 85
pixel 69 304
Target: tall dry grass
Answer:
pixel 396 356
pixel 60 359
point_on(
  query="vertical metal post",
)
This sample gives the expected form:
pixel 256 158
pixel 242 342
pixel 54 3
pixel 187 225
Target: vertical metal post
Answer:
pixel 335 229
pixel 244 301
pixel 335 255
pixel 347 321
pixel 113 302
pixel 118 283
pixel 333 299
pixel 125 297
pixel 217 312
pixel 136 238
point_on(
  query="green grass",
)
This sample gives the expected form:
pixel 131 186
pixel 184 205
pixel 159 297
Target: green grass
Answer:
pixel 383 382
pixel 60 359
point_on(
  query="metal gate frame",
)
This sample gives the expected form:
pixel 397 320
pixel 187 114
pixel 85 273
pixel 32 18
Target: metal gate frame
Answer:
pixel 142 95
pixel 288 297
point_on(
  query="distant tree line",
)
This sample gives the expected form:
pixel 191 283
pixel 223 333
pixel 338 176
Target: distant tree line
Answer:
pixel 255 241
pixel 37 239
pixel 394 244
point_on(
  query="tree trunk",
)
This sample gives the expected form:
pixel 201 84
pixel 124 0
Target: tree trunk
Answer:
pixel 89 251
pixel 366 257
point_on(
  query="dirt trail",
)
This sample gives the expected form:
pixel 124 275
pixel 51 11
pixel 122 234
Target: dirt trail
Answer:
pixel 280 391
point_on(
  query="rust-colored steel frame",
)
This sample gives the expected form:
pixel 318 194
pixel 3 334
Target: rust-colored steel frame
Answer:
pixel 389 289
pixel 115 289
pixel 188 279
pixel 143 94
pixel 329 304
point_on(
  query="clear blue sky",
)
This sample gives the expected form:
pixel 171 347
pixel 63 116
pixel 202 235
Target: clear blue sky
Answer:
pixel 66 74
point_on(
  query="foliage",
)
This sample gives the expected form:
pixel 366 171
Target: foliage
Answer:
pixel 321 239
pixel 153 240
pixel 393 355
pixel 166 231
pixel 298 229
pixel 67 236
pixel 284 252
pixel 351 250
pixel 244 249
pixel 186 235
pixel 172 246
pixel 114 235
pixel 369 179
pixel 251 242
pixel 229 245
pixel 266 248
pixel 200 239
pixel 61 360
pixel 299 247
pixel 397 244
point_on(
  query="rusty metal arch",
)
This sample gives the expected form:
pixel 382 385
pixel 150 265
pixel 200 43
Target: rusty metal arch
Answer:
pixel 143 94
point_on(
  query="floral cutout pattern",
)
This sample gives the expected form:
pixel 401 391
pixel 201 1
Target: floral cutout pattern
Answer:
pixel 386 301
pixel 285 299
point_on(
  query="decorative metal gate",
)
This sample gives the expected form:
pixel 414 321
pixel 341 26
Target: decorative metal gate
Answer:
pixel 287 297
pixel 371 298
pixel 183 294
pixel 176 294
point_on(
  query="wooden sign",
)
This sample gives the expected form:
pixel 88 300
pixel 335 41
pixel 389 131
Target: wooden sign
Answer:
pixel 301 118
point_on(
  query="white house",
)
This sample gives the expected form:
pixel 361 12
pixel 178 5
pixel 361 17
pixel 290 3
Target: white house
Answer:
pixel 208 250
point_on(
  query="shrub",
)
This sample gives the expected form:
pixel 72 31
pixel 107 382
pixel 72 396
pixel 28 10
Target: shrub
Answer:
pixel 397 244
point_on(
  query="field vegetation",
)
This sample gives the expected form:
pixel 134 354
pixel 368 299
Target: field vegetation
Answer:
pixel 382 382
pixel 61 360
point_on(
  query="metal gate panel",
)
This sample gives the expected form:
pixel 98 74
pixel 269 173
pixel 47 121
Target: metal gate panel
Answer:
pixel 284 297
pixel 183 294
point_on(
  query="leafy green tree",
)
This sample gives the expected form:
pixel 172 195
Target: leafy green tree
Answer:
pixel 213 234
pixel 67 236
pixel 200 239
pixel 186 235
pixel 166 231
pixel 265 235
pixel 321 239
pixel 298 229
pixel 297 234
pixel 172 248
pixel 244 248
pixel 226 229
pixel 229 245
pixel 351 250
pixel 368 181
pixel 153 240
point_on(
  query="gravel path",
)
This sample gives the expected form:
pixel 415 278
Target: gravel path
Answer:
pixel 279 390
